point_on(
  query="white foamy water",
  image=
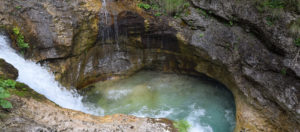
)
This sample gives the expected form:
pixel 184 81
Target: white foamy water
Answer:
pixel 42 81
pixel 117 94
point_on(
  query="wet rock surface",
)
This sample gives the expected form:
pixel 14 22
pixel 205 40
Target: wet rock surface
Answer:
pixel 232 43
pixel 7 71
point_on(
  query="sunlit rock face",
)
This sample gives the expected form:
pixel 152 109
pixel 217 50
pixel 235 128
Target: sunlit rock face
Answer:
pixel 84 42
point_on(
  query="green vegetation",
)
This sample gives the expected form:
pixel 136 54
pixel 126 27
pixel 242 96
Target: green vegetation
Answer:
pixel 273 4
pixel 276 6
pixel 174 6
pixel 231 23
pixel 270 21
pixel 144 6
pixel 157 14
pixel 283 71
pixel 201 35
pixel 269 5
pixel 297 41
pixel 182 125
pixel 22 90
pixel 18 7
pixel 202 12
pixel 4 86
pixel 20 39
pixel 160 7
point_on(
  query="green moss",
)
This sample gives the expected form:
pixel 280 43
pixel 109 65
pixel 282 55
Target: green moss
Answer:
pixel 182 125
pixel 22 90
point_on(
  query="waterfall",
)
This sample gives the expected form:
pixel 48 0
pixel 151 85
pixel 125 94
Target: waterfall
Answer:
pixel 42 81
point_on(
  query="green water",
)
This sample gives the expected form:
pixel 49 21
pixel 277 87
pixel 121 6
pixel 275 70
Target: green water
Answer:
pixel 206 105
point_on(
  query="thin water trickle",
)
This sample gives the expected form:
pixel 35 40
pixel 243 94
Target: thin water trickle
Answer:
pixel 104 10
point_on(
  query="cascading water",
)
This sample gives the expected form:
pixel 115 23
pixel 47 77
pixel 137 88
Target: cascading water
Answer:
pixel 42 81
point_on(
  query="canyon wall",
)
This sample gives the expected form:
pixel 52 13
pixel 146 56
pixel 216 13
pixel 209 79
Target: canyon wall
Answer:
pixel 231 41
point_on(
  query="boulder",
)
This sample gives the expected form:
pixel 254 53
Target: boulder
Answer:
pixel 7 71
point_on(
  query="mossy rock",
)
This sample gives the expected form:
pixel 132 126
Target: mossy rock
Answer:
pixel 22 90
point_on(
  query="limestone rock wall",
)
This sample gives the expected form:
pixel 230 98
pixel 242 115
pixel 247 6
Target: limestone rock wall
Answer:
pixel 232 42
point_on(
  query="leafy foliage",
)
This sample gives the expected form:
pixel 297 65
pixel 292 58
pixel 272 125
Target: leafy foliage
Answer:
pixel 4 85
pixel 18 7
pixel 20 39
pixel 144 6
pixel 182 125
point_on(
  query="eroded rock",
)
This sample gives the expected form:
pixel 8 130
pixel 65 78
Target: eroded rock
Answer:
pixel 256 61
pixel 7 71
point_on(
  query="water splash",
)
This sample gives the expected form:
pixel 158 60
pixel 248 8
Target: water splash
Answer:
pixel 42 81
